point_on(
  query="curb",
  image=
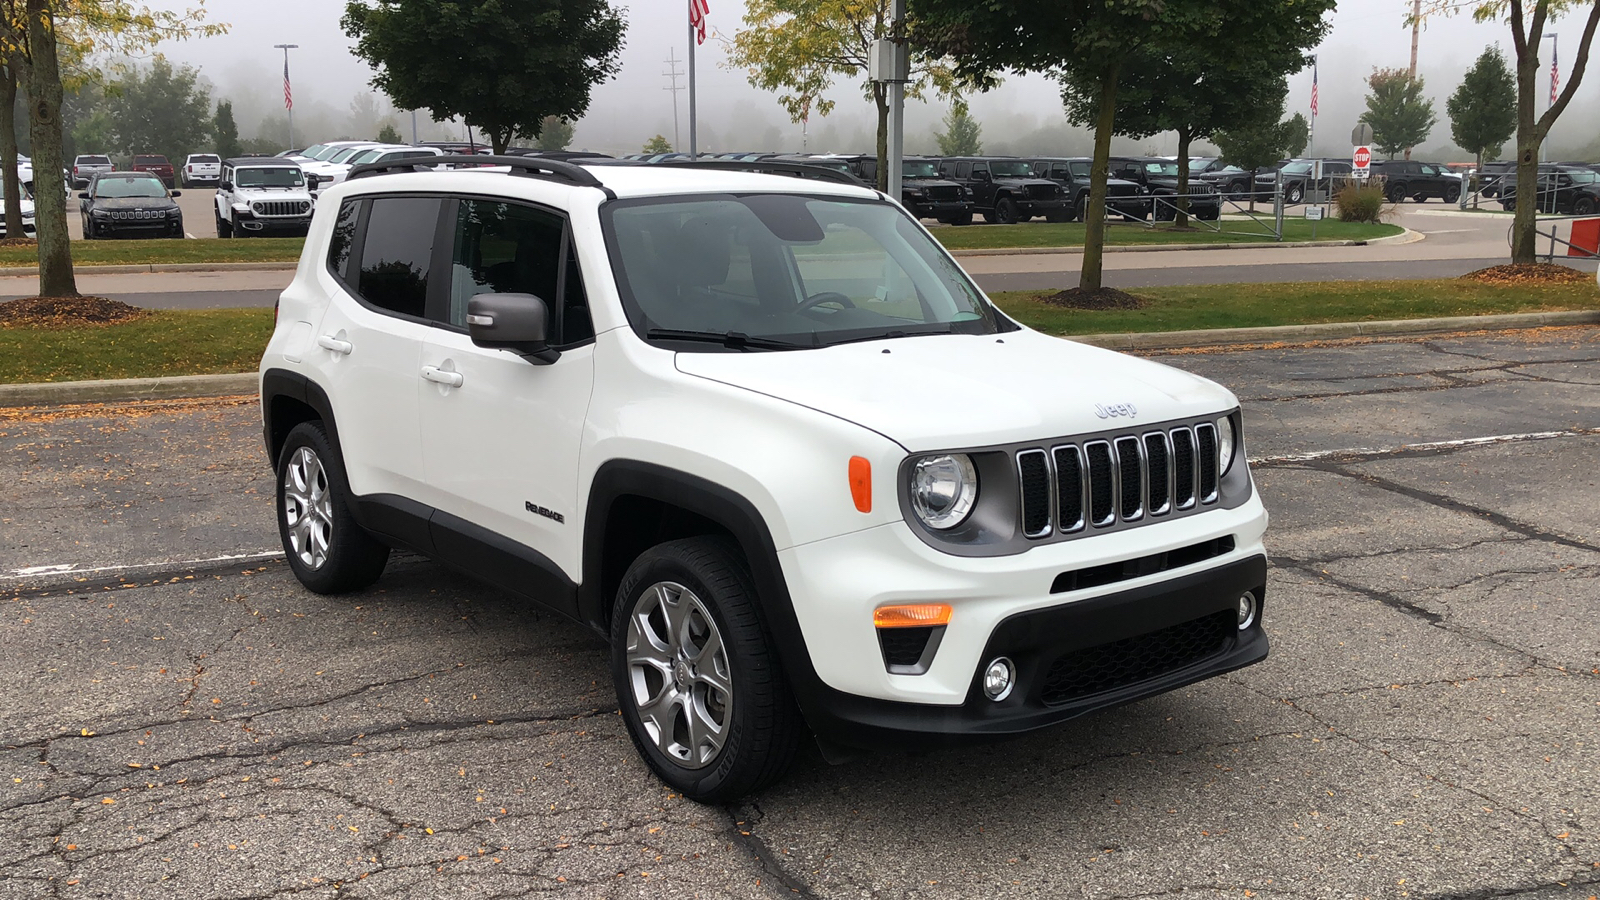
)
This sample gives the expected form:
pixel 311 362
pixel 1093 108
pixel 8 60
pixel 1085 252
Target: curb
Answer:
pixel 61 393
pixel 22 272
pixel 1179 340
pixel 1405 237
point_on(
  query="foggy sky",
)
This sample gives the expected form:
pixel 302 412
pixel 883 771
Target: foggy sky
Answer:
pixel 1023 116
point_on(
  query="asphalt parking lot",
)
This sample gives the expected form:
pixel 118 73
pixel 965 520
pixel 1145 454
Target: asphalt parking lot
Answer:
pixel 181 720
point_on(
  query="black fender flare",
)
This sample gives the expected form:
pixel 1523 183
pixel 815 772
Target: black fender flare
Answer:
pixel 285 383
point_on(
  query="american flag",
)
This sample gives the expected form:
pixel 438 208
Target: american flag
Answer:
pixel 698 10
pixel 288 95
pixel 1313 90
pixel 1555 77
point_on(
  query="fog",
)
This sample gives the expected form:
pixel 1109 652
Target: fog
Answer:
pixel 333 97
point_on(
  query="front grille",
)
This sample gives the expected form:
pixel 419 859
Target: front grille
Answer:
pixel 1124 479
pixel 944 192
pixel 1043 191
pixel 1095 670
pixel 1122 190
pixel 280 207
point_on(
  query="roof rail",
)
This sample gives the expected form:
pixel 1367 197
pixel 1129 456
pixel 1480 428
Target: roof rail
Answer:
pixel 768 167
pixel 532 167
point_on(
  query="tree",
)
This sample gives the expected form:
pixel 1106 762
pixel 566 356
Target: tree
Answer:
pixel 1198 87
pixel 1398 113
pixel 657 144
pixel 225 131
pixel 503 65
pixel 555 134
pixel 1255 142
pixel 159 110
pixel 799 47
pixel 388 134
pixel 1296 135
pixel 1483 110
pixel 962 135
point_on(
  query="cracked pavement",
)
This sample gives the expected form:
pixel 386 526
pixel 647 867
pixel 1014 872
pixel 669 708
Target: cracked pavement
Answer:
pixel 179 723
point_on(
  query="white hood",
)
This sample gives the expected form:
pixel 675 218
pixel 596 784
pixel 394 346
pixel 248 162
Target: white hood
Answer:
pixel 945 392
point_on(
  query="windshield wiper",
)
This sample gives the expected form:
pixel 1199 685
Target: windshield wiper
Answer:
pixel 891 334
pixel 733 340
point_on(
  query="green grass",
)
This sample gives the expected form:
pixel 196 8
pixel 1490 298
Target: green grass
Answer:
pixel 170 250
pixel 1255 305
pixel 1041 234
pixel 168 342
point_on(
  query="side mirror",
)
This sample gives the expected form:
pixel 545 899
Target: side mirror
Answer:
pixel 980 176
pixel 84 195
pixel 516 322
pixel 225 185
pixel 176 193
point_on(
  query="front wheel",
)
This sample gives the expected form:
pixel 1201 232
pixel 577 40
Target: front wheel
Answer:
pixel 224 229
pixel 1583 206
pixel 1397 193
pixel 1005 212
pixel 328 550
pixel 1295 194
pixel 1452 194
pixel 1058 215
pixel 700 688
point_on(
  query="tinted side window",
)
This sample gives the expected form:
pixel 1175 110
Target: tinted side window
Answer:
pixel 963 170
pixel 344 237
pixel 1080 169
pixel 505 248
pixel 397 253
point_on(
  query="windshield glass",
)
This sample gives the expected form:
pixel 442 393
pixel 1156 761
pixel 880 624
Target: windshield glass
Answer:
pixel 275 176
pixel 919 169
pixel 1582 176
pixel 94 161
pixel 204 159
pixel 783 267
pixel 128 186
pixel 344 155
pixel 1010 169
pixel 325 153
pixel 1299 168
pixel 364 156
pixel 1168 169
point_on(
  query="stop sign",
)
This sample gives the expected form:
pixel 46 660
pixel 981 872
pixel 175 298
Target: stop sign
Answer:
pixel 1363 157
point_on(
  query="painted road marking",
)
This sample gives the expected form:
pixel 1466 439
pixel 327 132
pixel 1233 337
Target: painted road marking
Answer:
pixel 1315 455
pixel 72 568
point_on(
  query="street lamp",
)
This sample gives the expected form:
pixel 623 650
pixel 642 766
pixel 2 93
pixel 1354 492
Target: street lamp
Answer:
pixel 288 93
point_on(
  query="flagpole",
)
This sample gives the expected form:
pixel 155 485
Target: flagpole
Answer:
pixel 694 147
pixel 288 104
pixel 1311 139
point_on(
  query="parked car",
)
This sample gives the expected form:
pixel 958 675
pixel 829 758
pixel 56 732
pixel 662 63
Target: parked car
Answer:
pixel 1492 175
pixel 1005 190
pixel 1125 199
pixel 922 190
pixel 262 196
pixel 773 444
pixel 1159 178
pixel 28 229
pixel 202 169
pixel 1296 175
pixel 130 204
pixel 1229 180
pixel 1418 180
pixel 85 167
pixel 157 165
pixel 331 173
pixel 1562 190
pixel 318 171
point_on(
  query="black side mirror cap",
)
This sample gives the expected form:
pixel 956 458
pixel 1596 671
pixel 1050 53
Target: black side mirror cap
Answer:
pixel 84 195
pixel 177 193
pixel 225 185
pixel 516 322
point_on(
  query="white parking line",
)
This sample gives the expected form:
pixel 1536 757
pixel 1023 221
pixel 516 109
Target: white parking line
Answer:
pixel 73 569
pixel 1315 455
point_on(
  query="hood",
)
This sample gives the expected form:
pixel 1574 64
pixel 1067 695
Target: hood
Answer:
pixel 1021 181
pixel 134 203
pixel 947 392
pixel 246 195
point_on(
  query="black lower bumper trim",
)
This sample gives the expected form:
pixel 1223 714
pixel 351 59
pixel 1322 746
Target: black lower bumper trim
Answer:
pixel 1039 642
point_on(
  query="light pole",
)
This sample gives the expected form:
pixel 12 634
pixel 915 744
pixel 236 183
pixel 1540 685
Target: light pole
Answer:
pixel 288 93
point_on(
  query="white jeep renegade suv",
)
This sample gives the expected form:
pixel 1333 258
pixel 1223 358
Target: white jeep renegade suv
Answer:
pixel 766 436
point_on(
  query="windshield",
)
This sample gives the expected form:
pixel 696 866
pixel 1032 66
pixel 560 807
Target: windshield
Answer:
pixel 1011 169
pixel 1299 168
pixel 275 176
pixel 364 156
pixel 326 153
pixel 1581 176
pixel 789 268
pixel 919 169
pixel 344 155
pixel 1168 169
pixel 128 186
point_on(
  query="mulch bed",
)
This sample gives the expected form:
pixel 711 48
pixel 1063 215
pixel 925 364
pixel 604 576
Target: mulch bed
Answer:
pixel 1103 298
pixel 18 242
pixel 1537 273
pixel 66 311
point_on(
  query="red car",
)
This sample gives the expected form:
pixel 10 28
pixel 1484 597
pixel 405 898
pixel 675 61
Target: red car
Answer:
pixel 156 165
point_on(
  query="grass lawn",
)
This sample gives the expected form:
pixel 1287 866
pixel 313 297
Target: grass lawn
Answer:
pixel 168 342
pixel 171 250
pixel 1255 305
pixel 1042 234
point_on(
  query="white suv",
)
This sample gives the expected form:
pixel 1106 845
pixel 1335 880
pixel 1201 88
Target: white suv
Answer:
pixel 768 438
pixel 262 195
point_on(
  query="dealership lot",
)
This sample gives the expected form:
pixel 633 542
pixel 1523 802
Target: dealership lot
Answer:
pixel 182 719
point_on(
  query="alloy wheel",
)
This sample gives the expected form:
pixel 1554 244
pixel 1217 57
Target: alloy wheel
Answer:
pixel 308 507
pixel 678 672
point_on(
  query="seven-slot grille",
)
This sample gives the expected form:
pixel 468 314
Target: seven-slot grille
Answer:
pixel 1128 478
pixel 1043 191
pixel 280 207
pixel 943 192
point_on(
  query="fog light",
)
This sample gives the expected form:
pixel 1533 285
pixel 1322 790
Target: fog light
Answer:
pixel 999 677
pixel 1247 610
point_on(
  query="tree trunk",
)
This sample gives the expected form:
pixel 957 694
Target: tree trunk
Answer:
pixel 8 152
pixel 44 127
pixel 1180 219
pixel 880 97
pixel 1524 226
pixel 1094 234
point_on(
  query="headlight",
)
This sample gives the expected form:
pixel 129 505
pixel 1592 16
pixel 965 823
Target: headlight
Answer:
pixel 102 213
pixel 943 490
pixel 1225 444
pixel 174 212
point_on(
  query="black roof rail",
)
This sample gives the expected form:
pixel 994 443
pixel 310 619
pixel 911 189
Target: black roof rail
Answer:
pixel 529 166
pixel 768 167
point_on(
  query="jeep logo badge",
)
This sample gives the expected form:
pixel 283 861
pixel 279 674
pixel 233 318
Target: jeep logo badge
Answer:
pixel 1114 410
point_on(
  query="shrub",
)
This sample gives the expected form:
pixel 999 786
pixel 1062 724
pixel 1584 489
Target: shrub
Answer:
pixel 1358 202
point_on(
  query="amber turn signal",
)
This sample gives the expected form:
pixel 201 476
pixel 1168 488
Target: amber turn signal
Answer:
pixel 913 615
pixel 861 483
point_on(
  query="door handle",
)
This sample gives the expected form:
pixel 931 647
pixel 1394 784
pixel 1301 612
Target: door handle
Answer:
pixel 329 342
pixel 440 376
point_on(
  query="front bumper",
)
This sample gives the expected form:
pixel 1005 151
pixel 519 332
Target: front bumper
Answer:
pixel 1042 207
pixel 940 209
pixel 147 227
pixel 296 226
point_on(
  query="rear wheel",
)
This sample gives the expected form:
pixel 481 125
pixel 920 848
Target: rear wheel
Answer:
pixel 1583 206
pixel 327 548
pixel 700 689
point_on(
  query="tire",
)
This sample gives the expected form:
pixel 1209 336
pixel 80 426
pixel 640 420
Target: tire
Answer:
pixel 707 580
pixel 1081 208
pixel 328 550
pixel 1005 212
pixel 1209 214
pixel 963 219
pixel 1452 194
pixel 1058 216
pixel 224 229
pixel 1396 193
pixel 1239 190
pixel 1509 204
pixel 1583 206
pixel 1295 194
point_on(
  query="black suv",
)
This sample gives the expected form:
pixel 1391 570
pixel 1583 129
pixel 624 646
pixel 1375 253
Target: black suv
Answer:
pixel 1004 189
pixel 1159 177
pixel 922 191
pixel 1230 180
pixel 1124 198
pixel 1418 180
pixel 1563 190
pixel 130 204
pixel 1296 174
